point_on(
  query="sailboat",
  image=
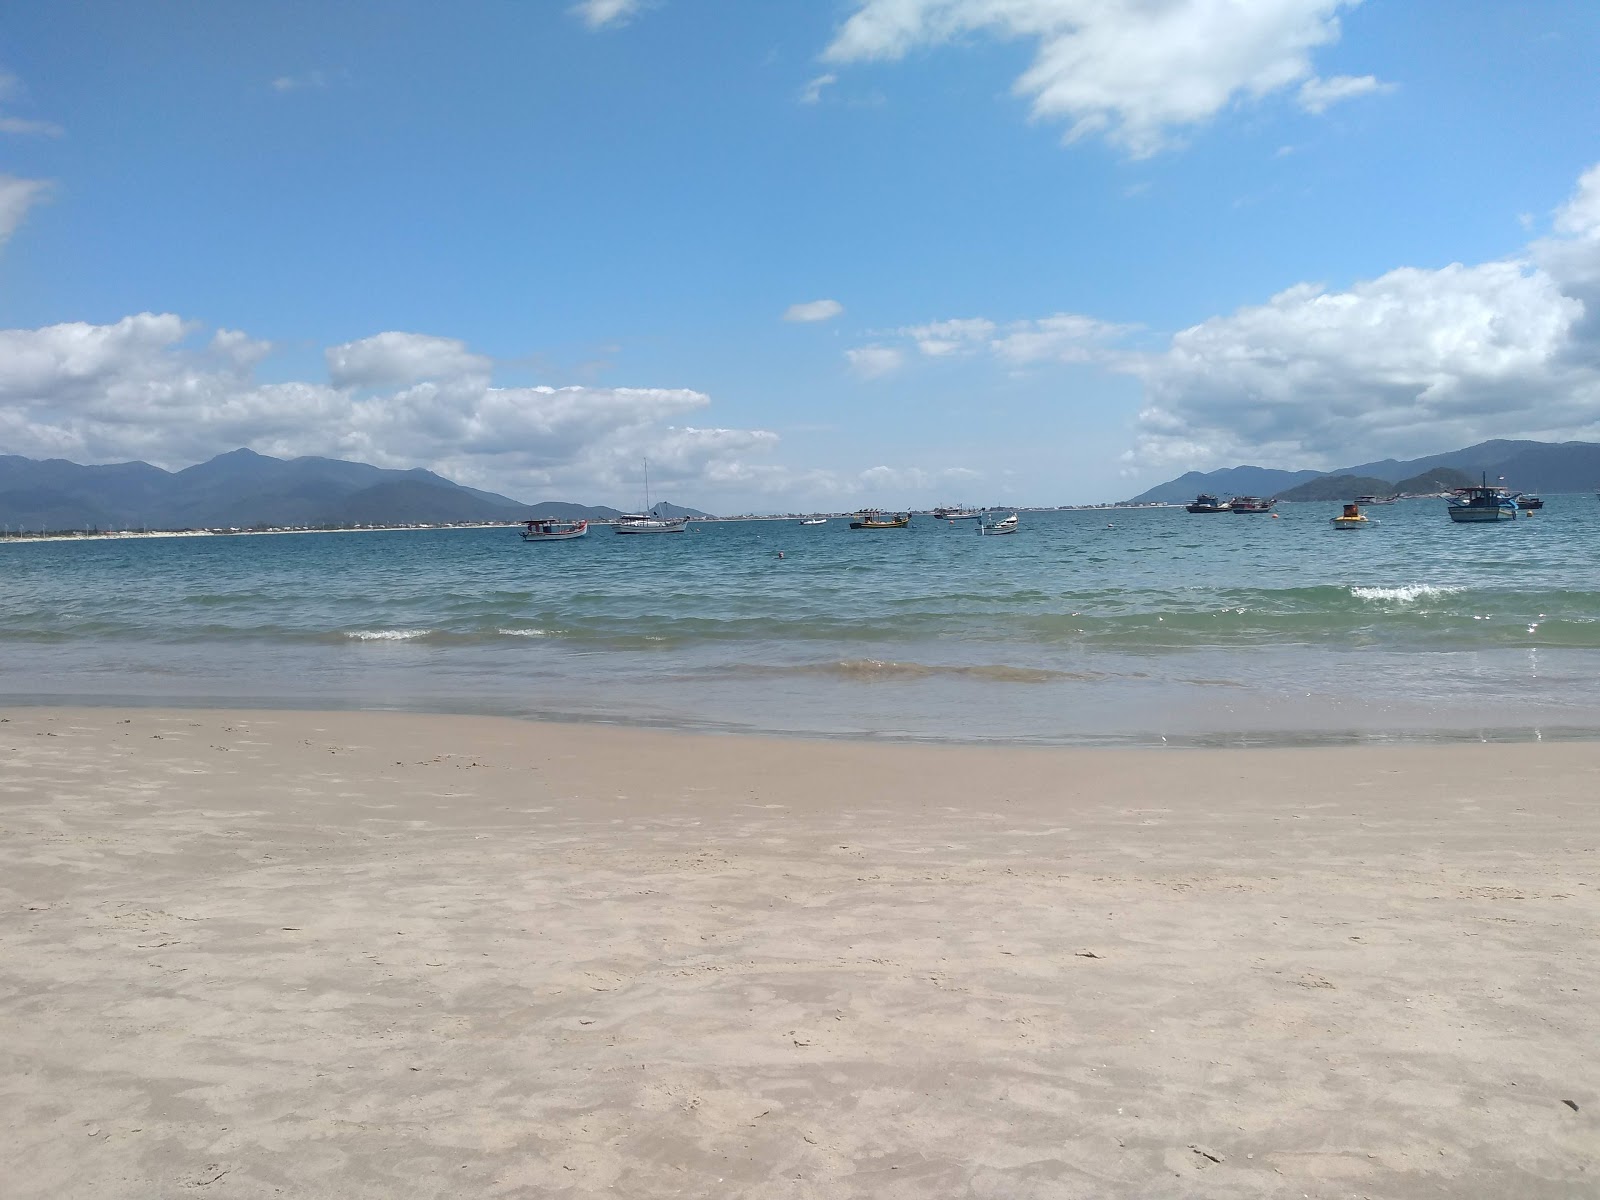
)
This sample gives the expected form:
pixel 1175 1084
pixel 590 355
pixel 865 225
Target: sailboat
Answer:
pixel 647 521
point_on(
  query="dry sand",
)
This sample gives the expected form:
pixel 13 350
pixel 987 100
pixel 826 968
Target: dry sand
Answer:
pixel 373 955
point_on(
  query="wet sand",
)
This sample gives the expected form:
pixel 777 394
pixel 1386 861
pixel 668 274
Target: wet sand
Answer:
pixel 387 955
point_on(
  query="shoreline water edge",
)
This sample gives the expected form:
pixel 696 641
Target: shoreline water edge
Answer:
pixel 1142 627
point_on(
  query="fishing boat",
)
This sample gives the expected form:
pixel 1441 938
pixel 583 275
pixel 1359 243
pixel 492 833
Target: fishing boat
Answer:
pixel 957 514
pixel 814 521
pixel 996 528
pixel 873 518
pixel 1528 502
pixel 553 531
pixel 1204 503
pixel 1366 500
pixel 650 521
pixel 1474 505
pixel 1250 504
pixel 1351 518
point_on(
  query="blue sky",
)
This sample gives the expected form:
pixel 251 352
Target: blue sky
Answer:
pixel 1052 251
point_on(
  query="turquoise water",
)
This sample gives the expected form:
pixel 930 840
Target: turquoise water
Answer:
pixel 1103 626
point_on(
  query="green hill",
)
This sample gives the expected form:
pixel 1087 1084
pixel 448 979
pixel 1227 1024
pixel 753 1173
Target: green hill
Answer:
pixel 1338 487
pixel 1438 479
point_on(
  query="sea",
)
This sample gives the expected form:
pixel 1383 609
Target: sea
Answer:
pixel 1100 627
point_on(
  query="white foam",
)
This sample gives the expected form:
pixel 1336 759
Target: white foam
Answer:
pixel 1405 594
pixel 523 632
pixel 386 635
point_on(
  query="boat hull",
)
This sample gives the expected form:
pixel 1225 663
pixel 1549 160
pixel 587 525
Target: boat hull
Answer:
pixel 554 531
pixel 880 524
pixel 652 527
pixel 1350 522
pixel 1463 514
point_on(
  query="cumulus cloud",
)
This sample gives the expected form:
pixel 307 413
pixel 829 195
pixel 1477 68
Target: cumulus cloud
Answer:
pixel 813 310
pixel 1134 72
pixel 1411 362
pixel 17 196
pixel 599 14
pixel 388 358
pixel 1318 95
pixel 155 387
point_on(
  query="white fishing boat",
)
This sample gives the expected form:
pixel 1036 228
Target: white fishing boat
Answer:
pixel 996 528
pixel 956 513
pixel 650 521
pixel 553 531
pixel 814 521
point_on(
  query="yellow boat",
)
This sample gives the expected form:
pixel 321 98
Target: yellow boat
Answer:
pixel 871 518
pixel 1351 518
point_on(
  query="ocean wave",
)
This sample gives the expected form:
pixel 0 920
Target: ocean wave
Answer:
pixel 386 635
pixel 523 632
pixel 1404 594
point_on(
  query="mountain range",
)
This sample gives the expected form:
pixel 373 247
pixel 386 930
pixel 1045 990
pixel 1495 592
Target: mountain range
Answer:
pixel 1520 465
pixel 243 490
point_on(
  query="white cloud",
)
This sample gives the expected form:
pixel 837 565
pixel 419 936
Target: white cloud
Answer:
pixel 1318 95
pixel 1579 217
pixel 813 310
pixel 20 125
pixel 812 92
pixel 912 485
pixel 151 386
pixel 1063 337
pixel 870 362
pixel 1135 72
pixel 310 80
pixel 388 358
pixel 17 196
pixel 10 88
pixel 894 479
pixel 598 14
pixel 1412 362
pixel 941 338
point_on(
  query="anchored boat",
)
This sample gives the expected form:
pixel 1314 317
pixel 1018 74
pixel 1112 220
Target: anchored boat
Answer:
pixel 649 521
pixel 1474 505
pixel 872 518
pixel 1204 503
pixel 1250 504
pixel 996 528
pixel 1351 518
pixel 553 531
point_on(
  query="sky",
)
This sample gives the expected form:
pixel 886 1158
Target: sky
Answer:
pixel 822 254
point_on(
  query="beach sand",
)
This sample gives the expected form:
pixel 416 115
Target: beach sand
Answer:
pixel 385 955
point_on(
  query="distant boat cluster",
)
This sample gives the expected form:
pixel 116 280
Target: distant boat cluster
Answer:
pixel 987 524
pixel 1482 502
